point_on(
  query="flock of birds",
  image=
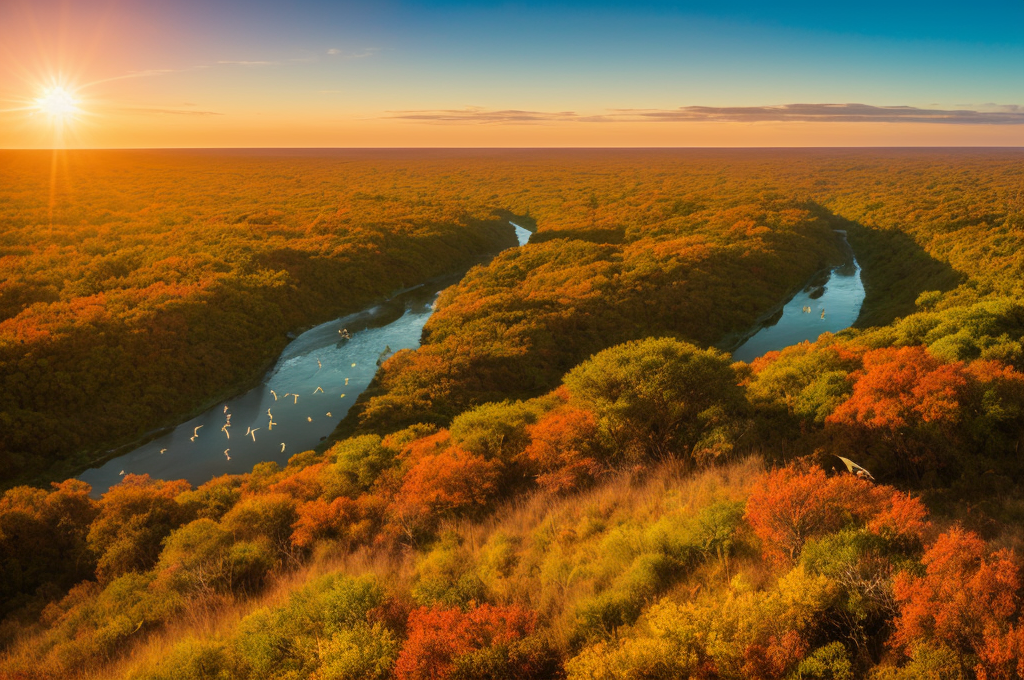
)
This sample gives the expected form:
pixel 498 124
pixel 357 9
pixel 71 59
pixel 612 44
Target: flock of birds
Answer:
pixel 807 310
pixel 251 431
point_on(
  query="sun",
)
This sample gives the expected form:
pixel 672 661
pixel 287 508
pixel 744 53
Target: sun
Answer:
pixel 57 103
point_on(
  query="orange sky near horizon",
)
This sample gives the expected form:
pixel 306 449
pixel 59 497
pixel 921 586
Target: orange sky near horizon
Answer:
pixel 250 131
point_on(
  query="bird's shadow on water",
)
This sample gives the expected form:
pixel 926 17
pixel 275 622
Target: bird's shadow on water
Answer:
pixel 895 270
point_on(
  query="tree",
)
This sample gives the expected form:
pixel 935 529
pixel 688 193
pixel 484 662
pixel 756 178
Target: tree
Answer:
pixel 658 398
pixel 563 449
pixel 134 517
pixel 43 539
pixel 788 506
pixel 443 480
pixel 441 639
pixel 968 601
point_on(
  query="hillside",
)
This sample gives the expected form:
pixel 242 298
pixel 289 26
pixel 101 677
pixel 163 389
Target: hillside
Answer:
pixel 567 479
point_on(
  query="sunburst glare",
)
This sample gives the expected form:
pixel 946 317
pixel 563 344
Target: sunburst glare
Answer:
pixel 58 103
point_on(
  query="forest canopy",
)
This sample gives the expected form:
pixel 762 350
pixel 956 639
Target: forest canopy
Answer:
pixel 570 477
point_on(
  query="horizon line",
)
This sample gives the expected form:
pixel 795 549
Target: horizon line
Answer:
pixel 501 148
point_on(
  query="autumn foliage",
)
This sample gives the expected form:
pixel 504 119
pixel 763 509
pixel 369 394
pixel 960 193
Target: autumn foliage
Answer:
pixel 442 640
pixel 967 601
pixel 568 478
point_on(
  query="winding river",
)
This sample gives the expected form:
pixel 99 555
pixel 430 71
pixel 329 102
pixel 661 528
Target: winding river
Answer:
pixel 300 401
pixel 826 306
pixel 320 374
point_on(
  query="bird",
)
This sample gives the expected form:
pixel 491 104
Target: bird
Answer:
pixel 856 469
pixel 288 394
pixel 353 364
pixel 275 394
pixel 162 451
pixel 296 399
pixel 269 413
pixel 328 414
pixel 225 408
pixel 247 431
pixel 122 472
pixel 253 433
pixel 227 456
pixel 346 381
pixel 270 425
pixel 226 451
pixel 308 418
pixel 196 431
pixel 342 396
pixel 318 389
pixel 822 313
pixel 318 364
pixel 282 447
pixel 225 431
pixel 193 437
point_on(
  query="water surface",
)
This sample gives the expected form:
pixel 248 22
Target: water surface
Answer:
pixel 301 400
pixel 840 302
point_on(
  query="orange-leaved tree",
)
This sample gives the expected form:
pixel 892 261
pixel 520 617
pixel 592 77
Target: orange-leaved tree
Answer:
pixel 968 601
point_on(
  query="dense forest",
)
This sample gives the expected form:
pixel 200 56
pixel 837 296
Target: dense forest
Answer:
pixel 570 478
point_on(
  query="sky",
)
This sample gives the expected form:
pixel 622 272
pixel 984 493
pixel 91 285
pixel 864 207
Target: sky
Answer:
pixel 313 73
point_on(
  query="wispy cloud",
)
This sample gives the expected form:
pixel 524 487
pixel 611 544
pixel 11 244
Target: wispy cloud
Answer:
pixel 149 73
pixel 1008 114
pixel 140 110
pixel 476 114
pixel 834 113
pixel 249 63
pixel 362 54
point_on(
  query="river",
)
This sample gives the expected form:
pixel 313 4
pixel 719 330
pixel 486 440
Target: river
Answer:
pixel 826 306
pixel 319 375
pixel 300 401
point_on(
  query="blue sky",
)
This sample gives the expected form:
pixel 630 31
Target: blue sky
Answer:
pixel 313 62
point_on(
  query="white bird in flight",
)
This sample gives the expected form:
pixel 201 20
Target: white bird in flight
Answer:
pixel 275 394
pixel 122 471
pixel 346 381
pixel 282 447
pixel 162 450
pixel 296 399
pixel 318 389
pixel 225 408
pixel 253 433
pixel 196 431
pixel 328 414
pixel 353 364
pixel 309 419
pixel 270 425
pixel 318 364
